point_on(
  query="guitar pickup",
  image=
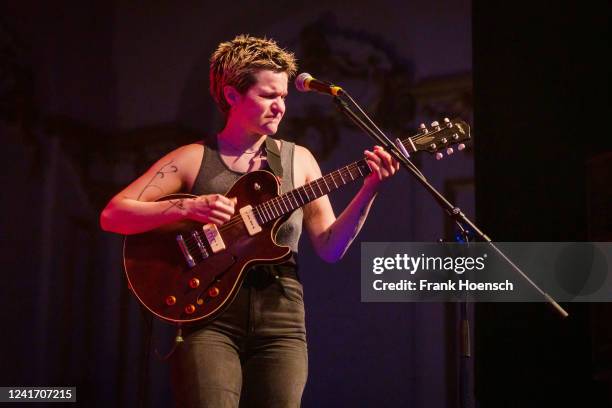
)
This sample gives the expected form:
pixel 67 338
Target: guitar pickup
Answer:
pixel 213 236
pixel 249 219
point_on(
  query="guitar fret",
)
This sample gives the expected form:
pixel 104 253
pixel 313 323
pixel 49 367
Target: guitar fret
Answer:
pixel 351 174
pixel 359 168
pixel 314 193
pixel 284 203
pixel 268 212
pixel 297 204
pixel 292 203
pixel 326 186
pixel 342 178
pixel 317 183
pixel 271 205
pixel 300 195
pixel 333 180
pixel 278 208
pixel 306 192
pixel 257 217
pixel 261 213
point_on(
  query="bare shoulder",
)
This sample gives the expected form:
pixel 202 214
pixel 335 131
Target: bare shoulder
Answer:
pixel 188 159
pixel 189 152
pixel 303 155
pixel 305 166
pixel 174 172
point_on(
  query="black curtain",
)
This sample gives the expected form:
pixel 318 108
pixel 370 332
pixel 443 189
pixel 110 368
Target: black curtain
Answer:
pixel 541 99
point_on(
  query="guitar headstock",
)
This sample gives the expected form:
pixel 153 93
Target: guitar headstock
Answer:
pixel 440 137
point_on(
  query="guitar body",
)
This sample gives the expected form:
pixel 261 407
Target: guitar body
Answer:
pixel 164 281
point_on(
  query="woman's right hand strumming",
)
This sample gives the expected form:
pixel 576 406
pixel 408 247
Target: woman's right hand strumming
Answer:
pixel 211 208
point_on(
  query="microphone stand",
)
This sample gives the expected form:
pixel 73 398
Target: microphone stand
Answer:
pixel 454 212
pixel 465 225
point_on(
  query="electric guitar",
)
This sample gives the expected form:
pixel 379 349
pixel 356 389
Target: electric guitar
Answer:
pixel 187 272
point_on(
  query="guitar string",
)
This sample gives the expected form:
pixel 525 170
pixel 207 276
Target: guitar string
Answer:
pixel 192 244
pixel 276 202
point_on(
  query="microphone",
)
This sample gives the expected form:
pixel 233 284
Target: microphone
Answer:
pixel 305 83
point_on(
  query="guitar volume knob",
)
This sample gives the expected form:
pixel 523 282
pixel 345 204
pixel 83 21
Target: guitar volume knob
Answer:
pixel 189 309
pixel 194 283
pixel 170 300
pixel 214 291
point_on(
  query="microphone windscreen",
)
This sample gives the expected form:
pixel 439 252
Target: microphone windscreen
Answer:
pixel 300 81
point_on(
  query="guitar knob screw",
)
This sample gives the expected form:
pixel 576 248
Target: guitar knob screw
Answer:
pixel 256 186
pixel 170 300
pixel 214 291
pixel 189 309
pixel 194 283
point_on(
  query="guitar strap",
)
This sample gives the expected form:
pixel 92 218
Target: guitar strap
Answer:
pixel 274 157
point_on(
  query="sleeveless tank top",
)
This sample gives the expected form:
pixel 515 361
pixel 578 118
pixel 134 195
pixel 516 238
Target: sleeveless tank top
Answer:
pixel 214 177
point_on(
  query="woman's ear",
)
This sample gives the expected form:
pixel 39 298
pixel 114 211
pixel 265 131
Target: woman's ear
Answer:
pixel 231 95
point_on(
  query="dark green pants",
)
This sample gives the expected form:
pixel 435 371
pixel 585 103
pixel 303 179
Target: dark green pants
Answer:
pixel 253 355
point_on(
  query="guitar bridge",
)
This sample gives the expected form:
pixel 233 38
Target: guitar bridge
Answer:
pixel 183 246
pixel 198 240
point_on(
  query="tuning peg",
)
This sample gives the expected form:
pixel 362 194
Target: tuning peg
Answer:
pixel 447 122
pixel 450 151
pixel 439 156
pixel 435 125
pixel 461 146
pixel 423 128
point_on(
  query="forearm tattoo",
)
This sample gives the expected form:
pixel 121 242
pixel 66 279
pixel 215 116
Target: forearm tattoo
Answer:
pixel 180 204
pixel 160 174
pixel 360 221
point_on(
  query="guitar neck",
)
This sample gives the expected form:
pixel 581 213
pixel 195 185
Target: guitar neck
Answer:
pixel 299 197
pixel 430 140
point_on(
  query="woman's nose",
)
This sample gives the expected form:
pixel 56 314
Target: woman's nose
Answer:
pixel 278 106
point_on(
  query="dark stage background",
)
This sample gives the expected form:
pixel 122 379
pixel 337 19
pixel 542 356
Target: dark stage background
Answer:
pixel 542 174
pixel 92 94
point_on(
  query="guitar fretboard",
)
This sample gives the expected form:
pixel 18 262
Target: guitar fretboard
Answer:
pixel 296 198
pixel 439 137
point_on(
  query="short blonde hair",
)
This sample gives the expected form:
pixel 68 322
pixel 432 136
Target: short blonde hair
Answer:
pixel 235 63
